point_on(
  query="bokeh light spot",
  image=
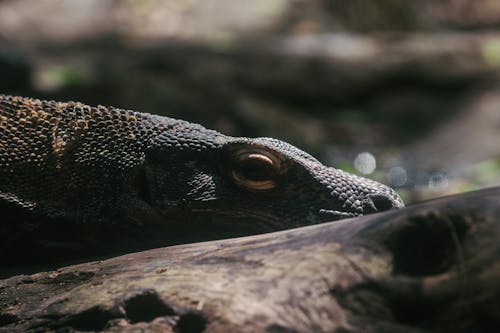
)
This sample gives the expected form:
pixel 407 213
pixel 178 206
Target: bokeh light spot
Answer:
pixel 365 163
pixel 397 176
pixel 438 181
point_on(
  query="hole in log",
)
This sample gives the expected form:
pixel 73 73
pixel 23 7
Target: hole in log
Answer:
pixel 191 322
pixel 93 319
pixel 415 311
pixel 146 306
pixel 427 245
pixel 7 318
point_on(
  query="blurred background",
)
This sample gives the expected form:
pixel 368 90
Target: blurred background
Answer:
pixel 405 92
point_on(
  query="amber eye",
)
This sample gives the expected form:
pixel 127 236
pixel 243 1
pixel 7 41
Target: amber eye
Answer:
pixel 255 171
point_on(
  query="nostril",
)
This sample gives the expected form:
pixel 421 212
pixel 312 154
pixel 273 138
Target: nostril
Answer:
pixel 381 203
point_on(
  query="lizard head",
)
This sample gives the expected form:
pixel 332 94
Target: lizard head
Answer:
pixel 299 186
pixel 265 181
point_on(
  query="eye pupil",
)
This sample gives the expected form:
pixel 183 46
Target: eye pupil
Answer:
pixel 256 170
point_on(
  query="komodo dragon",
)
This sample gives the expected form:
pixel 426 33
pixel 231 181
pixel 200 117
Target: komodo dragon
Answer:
pixel 70 161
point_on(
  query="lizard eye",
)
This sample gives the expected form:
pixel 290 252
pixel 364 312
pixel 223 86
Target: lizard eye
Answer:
pixel 255 171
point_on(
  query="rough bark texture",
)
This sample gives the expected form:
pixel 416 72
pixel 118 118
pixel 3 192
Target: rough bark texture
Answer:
pixel 431 267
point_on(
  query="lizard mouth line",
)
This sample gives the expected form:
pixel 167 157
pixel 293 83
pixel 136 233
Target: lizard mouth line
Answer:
pixel 271 222
pixel 336 214
pixel 261 221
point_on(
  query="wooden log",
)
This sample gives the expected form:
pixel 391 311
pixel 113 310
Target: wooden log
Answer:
pixel 431 267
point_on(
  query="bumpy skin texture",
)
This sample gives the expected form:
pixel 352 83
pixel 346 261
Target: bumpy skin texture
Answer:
pixel 82 163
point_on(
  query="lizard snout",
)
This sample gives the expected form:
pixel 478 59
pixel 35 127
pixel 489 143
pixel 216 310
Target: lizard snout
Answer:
pixel 381 202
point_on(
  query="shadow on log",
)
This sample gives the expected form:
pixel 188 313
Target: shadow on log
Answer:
pixel 431 267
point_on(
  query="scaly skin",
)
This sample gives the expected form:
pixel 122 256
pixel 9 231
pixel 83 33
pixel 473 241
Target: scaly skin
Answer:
pixel 81 163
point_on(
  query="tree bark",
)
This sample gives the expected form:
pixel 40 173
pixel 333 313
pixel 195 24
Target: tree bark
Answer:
pixel 431 267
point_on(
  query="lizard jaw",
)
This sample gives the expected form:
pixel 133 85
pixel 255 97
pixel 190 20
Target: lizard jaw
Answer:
pixel 330 214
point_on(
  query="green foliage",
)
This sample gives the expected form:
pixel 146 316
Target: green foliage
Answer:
pixel 491 52
pixel 59 77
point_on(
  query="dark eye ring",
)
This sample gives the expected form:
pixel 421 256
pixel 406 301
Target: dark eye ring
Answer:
pixel 255 171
